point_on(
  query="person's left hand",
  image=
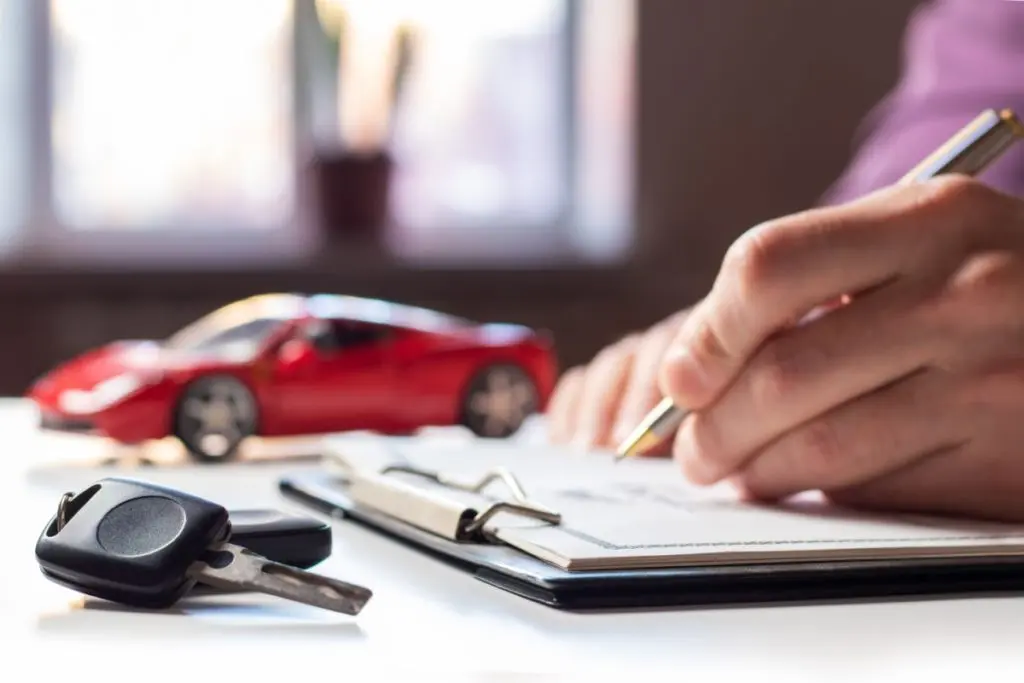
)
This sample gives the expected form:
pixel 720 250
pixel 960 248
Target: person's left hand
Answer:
pixel 908 397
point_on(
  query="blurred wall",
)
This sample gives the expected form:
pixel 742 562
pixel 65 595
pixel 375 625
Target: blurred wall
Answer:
pixel 747 110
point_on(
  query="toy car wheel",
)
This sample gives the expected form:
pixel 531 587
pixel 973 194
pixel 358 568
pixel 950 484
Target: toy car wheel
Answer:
pixel 214 416
pixel 498 400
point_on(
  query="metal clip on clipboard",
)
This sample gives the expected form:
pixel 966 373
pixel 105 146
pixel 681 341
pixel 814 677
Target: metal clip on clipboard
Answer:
pixel 445 506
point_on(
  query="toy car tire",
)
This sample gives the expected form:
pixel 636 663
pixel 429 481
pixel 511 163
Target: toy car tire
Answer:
pixel 498 400
pixel 213 418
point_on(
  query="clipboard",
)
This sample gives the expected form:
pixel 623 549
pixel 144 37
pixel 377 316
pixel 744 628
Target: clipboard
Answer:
pixel 446 518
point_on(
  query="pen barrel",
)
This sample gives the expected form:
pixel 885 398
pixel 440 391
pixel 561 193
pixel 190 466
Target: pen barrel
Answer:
pixel 665 419
pixel 973 148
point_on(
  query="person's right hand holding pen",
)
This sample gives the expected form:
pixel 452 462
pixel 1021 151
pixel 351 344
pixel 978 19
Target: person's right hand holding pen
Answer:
pixel 909 396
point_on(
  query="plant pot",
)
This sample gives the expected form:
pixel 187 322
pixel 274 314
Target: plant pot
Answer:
pixel 352 194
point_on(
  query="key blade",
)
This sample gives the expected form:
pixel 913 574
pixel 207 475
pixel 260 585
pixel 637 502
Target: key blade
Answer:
pixel 231 567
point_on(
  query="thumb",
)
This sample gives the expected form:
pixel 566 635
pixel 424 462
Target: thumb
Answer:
pixel 698 363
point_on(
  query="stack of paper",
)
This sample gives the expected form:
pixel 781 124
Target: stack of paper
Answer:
pixel 642 513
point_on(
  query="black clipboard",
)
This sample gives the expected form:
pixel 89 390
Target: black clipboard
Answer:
pixel 509 569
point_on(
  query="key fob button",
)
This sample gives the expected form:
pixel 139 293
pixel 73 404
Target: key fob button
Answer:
pixel 141 526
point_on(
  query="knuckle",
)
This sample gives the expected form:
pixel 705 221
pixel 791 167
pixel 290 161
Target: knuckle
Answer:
pixel 573 374
pixel 565 383
pixel 646 361
pixel 641 386
pixel 706 343
pixel 673 322
pixel 661 333
pixel 961 203
pixel 654 340
pixel 776 374
pixel 603 357
pixel 750 260
pixel 951 190
pixel 562 407
pixel 973 316
pixel 819 443
pixel 630 342
pixel 991 390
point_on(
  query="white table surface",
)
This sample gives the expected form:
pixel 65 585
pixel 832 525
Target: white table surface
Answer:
pixel 426 617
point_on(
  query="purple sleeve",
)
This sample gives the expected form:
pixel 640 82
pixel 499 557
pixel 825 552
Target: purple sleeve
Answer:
pixel 960 57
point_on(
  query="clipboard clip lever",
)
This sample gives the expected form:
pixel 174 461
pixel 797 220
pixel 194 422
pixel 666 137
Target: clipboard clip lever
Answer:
pixel 519 505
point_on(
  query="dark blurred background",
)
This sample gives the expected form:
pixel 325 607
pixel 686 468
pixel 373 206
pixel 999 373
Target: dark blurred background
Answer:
pixel 575 165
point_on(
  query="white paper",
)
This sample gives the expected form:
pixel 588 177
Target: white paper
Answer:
pixel 641 512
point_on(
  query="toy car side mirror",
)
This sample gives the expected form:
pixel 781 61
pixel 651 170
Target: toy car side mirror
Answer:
pixel 296 353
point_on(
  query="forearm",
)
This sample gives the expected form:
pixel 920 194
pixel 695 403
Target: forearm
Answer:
pixel 960 57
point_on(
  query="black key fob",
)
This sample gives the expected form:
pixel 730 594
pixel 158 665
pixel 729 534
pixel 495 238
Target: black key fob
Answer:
pixel 130 542
pixel 146 545
pixel 282 537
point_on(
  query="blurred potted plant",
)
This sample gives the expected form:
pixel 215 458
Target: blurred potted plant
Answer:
pixel 352 178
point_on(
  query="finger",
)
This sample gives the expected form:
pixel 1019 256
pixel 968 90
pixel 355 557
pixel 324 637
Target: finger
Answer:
pixel 642 393
pixel 859 441
pixel 562 408
pixel 779 271
pixel 808 371
pixel 953 481
pixel 602 390
pixel 981 477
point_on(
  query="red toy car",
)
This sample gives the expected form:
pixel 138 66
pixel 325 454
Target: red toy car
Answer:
pixel 286 364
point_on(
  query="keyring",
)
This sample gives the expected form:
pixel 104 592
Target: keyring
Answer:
pixel 62 510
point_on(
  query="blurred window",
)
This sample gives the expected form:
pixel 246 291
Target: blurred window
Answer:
pixel 156 128
pixel 171 113
pixel 330 336
pixel 245 337
pixel 248 320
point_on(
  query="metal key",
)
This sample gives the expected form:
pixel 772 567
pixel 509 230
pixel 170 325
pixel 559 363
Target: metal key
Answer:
pixel 232 567
pixel 144 545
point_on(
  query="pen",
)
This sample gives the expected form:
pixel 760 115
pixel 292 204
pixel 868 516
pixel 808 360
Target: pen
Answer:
pixel 968 152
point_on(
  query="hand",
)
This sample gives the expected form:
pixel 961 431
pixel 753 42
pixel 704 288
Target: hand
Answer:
pixel 908 397
pixel 598 405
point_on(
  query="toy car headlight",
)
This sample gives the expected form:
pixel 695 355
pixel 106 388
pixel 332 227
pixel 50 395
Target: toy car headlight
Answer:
pixel 102 396
pixel 114 389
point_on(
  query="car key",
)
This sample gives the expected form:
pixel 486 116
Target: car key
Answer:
pixel 280 537
pixel 145 545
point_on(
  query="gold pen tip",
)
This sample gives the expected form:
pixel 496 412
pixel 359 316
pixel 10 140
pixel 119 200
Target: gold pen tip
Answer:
pixel 637 444
pixel 1010 117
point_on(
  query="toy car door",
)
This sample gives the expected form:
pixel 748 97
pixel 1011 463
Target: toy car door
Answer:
pixel 343 383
